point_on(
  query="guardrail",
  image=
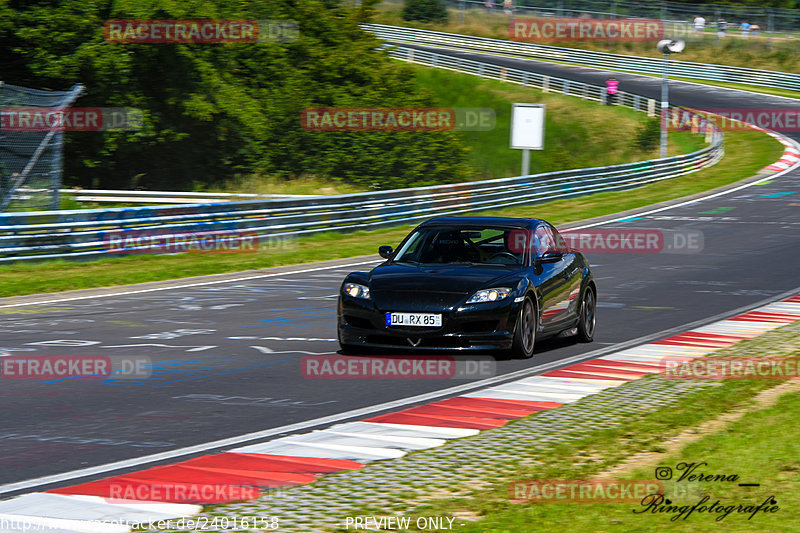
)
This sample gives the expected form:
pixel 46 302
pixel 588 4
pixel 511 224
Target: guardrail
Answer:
pixel 158 197
pixel 522 77
pixel 588 58
pixel 74 234
pixel 86 233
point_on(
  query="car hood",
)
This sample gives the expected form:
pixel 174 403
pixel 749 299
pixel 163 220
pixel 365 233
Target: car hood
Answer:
pixel 435 285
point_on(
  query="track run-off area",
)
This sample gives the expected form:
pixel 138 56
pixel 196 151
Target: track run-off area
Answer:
pixel 225 356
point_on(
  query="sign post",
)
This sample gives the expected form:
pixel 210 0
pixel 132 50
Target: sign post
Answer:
pixel 527 131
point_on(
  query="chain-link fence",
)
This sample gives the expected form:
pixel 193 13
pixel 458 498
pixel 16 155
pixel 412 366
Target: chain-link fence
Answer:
pixel 31 150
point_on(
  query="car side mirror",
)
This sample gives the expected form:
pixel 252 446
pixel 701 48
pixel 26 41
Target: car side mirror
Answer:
pixel 385 252
pixel 551 257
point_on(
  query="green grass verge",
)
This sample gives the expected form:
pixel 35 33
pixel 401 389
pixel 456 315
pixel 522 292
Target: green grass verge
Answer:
pixel 746 153
pixel 761 447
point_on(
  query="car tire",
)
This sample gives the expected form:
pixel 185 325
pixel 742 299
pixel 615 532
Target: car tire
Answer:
pixel 525 333
pixel 587 317
pixel 349 349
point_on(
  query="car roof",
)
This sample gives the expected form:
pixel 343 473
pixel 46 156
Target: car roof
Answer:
pixel 483 221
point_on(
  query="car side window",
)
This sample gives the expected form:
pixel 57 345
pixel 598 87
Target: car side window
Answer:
pixel 411 249
pixel 559 242
pixel 543 240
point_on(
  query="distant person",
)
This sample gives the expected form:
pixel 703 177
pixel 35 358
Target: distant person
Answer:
pixel 722 27
pixel 612 89
pixel 744 27
pixel 489 4
pixel 699 24
pixel 754 29
pixel 508 7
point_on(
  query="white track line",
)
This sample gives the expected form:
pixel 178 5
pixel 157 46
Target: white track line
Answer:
pixel 190 285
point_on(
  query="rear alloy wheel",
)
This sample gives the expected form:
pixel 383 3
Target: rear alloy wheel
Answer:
pixel 586 320
pixel 525 334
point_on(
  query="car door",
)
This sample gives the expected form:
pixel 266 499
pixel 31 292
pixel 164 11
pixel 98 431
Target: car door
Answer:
pixel 552 277
pixel 573 276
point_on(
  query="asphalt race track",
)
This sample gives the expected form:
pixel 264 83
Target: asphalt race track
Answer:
pixel 226 357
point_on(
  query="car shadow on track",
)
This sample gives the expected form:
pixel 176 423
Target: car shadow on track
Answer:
pixel 542 347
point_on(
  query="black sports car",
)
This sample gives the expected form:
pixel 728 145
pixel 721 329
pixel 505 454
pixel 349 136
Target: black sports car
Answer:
pixel 470 283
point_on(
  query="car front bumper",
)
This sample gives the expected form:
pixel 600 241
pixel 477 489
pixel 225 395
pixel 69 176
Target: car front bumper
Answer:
pixel 486 326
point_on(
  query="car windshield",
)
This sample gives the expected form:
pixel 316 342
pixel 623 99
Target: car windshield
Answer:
pixel 451 245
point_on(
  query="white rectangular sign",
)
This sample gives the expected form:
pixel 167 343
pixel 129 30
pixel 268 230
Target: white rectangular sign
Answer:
pixel 527 126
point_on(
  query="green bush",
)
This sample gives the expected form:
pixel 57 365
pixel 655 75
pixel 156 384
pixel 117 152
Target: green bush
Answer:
pixel 425 10
pixel 648 135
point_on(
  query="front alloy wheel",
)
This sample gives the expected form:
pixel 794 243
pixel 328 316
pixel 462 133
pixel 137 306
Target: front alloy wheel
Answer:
pixel 587 319
pixel 525 334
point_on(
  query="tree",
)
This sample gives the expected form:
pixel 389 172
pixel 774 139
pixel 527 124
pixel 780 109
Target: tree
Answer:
pixel 215 111
pixel 425 10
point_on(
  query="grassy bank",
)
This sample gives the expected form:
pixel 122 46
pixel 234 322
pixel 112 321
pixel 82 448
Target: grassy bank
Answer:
pixel 746 153
pixel 575 129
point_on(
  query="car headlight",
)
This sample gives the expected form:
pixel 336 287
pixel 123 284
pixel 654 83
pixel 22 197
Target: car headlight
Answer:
pixel 489 295
pixel 356 291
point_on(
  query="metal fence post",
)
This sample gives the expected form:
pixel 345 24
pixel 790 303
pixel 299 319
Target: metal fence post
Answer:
pixel 56 166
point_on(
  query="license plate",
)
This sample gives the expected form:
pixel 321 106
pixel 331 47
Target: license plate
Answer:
pixel 414 319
